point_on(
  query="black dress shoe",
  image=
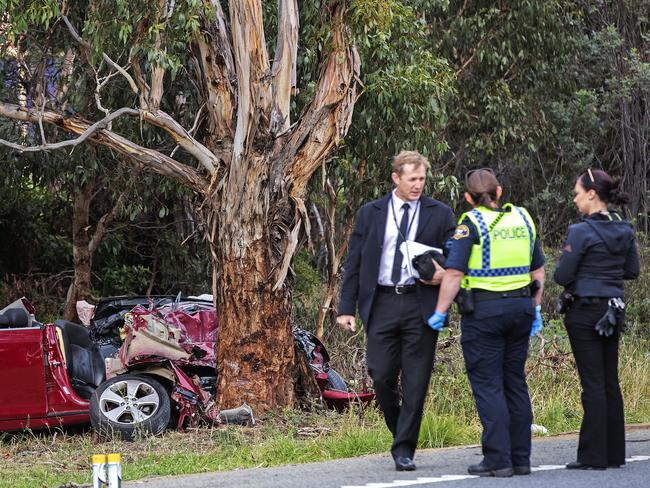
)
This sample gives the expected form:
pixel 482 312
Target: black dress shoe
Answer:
pixel 579 465
pixel 404 463
pixel 482 470
pixel 521 470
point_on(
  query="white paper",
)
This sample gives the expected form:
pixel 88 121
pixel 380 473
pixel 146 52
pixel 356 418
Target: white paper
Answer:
pixel 410 249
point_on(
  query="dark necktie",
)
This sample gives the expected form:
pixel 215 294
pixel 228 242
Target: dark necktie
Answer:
pixel 397 261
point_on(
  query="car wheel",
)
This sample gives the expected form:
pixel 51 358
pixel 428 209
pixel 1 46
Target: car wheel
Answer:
pixel 129 405
pixel 335 381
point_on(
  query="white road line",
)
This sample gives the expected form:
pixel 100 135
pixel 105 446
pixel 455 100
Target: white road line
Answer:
pixel 418 481
pixel 637 458
pixel 547 467
pixel 457 477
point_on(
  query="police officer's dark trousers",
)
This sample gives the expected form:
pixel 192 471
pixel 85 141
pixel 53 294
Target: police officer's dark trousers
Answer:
pixel 602 434
pixel 400 342
pixel 495 345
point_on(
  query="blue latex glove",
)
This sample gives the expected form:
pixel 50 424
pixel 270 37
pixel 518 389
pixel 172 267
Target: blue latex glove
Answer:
pixel 537 323
pixel 437 320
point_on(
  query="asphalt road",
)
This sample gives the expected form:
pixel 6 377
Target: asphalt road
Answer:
pixel 436 467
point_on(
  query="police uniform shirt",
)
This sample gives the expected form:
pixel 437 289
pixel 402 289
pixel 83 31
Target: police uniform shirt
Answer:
pixel 466 236
pixel 599 253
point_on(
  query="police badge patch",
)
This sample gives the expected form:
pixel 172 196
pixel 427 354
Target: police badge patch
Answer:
pixel 461 231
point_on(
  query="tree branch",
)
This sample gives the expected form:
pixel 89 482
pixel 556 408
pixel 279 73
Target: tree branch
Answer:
pixel 252 63
pixel 284 65
pixel 183 138
pixel 326 120
pixel 40 115
pixel 151 158
pixel 159 119
pixel 214 56
pixel 86 47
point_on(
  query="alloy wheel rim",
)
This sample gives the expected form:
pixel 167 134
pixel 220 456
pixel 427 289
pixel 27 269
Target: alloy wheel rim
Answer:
pixel 129 402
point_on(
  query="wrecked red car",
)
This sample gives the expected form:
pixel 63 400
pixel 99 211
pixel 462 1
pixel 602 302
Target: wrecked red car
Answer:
pixel 49 371
pixel 143 363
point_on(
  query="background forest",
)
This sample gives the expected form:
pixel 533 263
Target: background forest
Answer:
pixel 537 90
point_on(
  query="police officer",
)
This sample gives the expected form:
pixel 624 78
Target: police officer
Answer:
pixel 494 258
pixel 599 253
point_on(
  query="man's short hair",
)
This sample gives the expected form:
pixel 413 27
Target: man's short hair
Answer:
pixel 409 157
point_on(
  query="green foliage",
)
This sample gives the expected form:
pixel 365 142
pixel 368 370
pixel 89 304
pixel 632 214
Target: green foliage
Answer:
pixel 29 236
pixel 121 278
pixel 406 85
pixel 147 28
pixel 308 291
pixel 22 13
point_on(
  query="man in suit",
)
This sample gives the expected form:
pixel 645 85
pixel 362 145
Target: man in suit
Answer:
pixel 393 305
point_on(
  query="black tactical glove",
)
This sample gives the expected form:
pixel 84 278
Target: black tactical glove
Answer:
pixel 613 320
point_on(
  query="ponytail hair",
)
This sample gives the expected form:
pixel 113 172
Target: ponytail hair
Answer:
pixel 617 196
pixel 607 189
pixel 482 184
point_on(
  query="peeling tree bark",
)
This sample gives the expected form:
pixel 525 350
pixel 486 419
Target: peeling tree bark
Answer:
pixel 217 73
pixel 253 91
pixel 284 65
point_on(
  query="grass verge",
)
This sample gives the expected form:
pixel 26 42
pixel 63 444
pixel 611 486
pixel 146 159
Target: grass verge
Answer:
pixel 30 460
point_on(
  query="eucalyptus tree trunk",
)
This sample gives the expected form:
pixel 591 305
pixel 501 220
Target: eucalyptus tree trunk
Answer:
pixel 258 211
pixel 255 348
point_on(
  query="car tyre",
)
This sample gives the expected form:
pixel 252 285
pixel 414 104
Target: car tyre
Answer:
pixel 129 405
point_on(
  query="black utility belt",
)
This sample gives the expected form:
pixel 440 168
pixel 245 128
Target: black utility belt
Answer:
pixel 590 300
pixel 397 289
pixel 485 295
pixel 566 300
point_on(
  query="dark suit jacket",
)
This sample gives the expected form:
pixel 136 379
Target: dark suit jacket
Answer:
pixel 435 225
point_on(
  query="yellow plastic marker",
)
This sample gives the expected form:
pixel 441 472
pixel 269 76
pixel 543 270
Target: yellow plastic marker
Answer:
pixel 99 470
pixel 114 471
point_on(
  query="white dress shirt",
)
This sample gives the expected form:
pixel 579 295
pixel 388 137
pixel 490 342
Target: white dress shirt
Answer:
pixel 390 240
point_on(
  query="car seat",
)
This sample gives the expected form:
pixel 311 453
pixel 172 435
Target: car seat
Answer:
pixel 84 363
pixel 15 318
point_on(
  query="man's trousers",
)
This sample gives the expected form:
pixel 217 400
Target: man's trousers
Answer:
pixel 400 346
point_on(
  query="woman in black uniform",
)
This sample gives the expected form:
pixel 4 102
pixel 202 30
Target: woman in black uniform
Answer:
pixel 599 253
